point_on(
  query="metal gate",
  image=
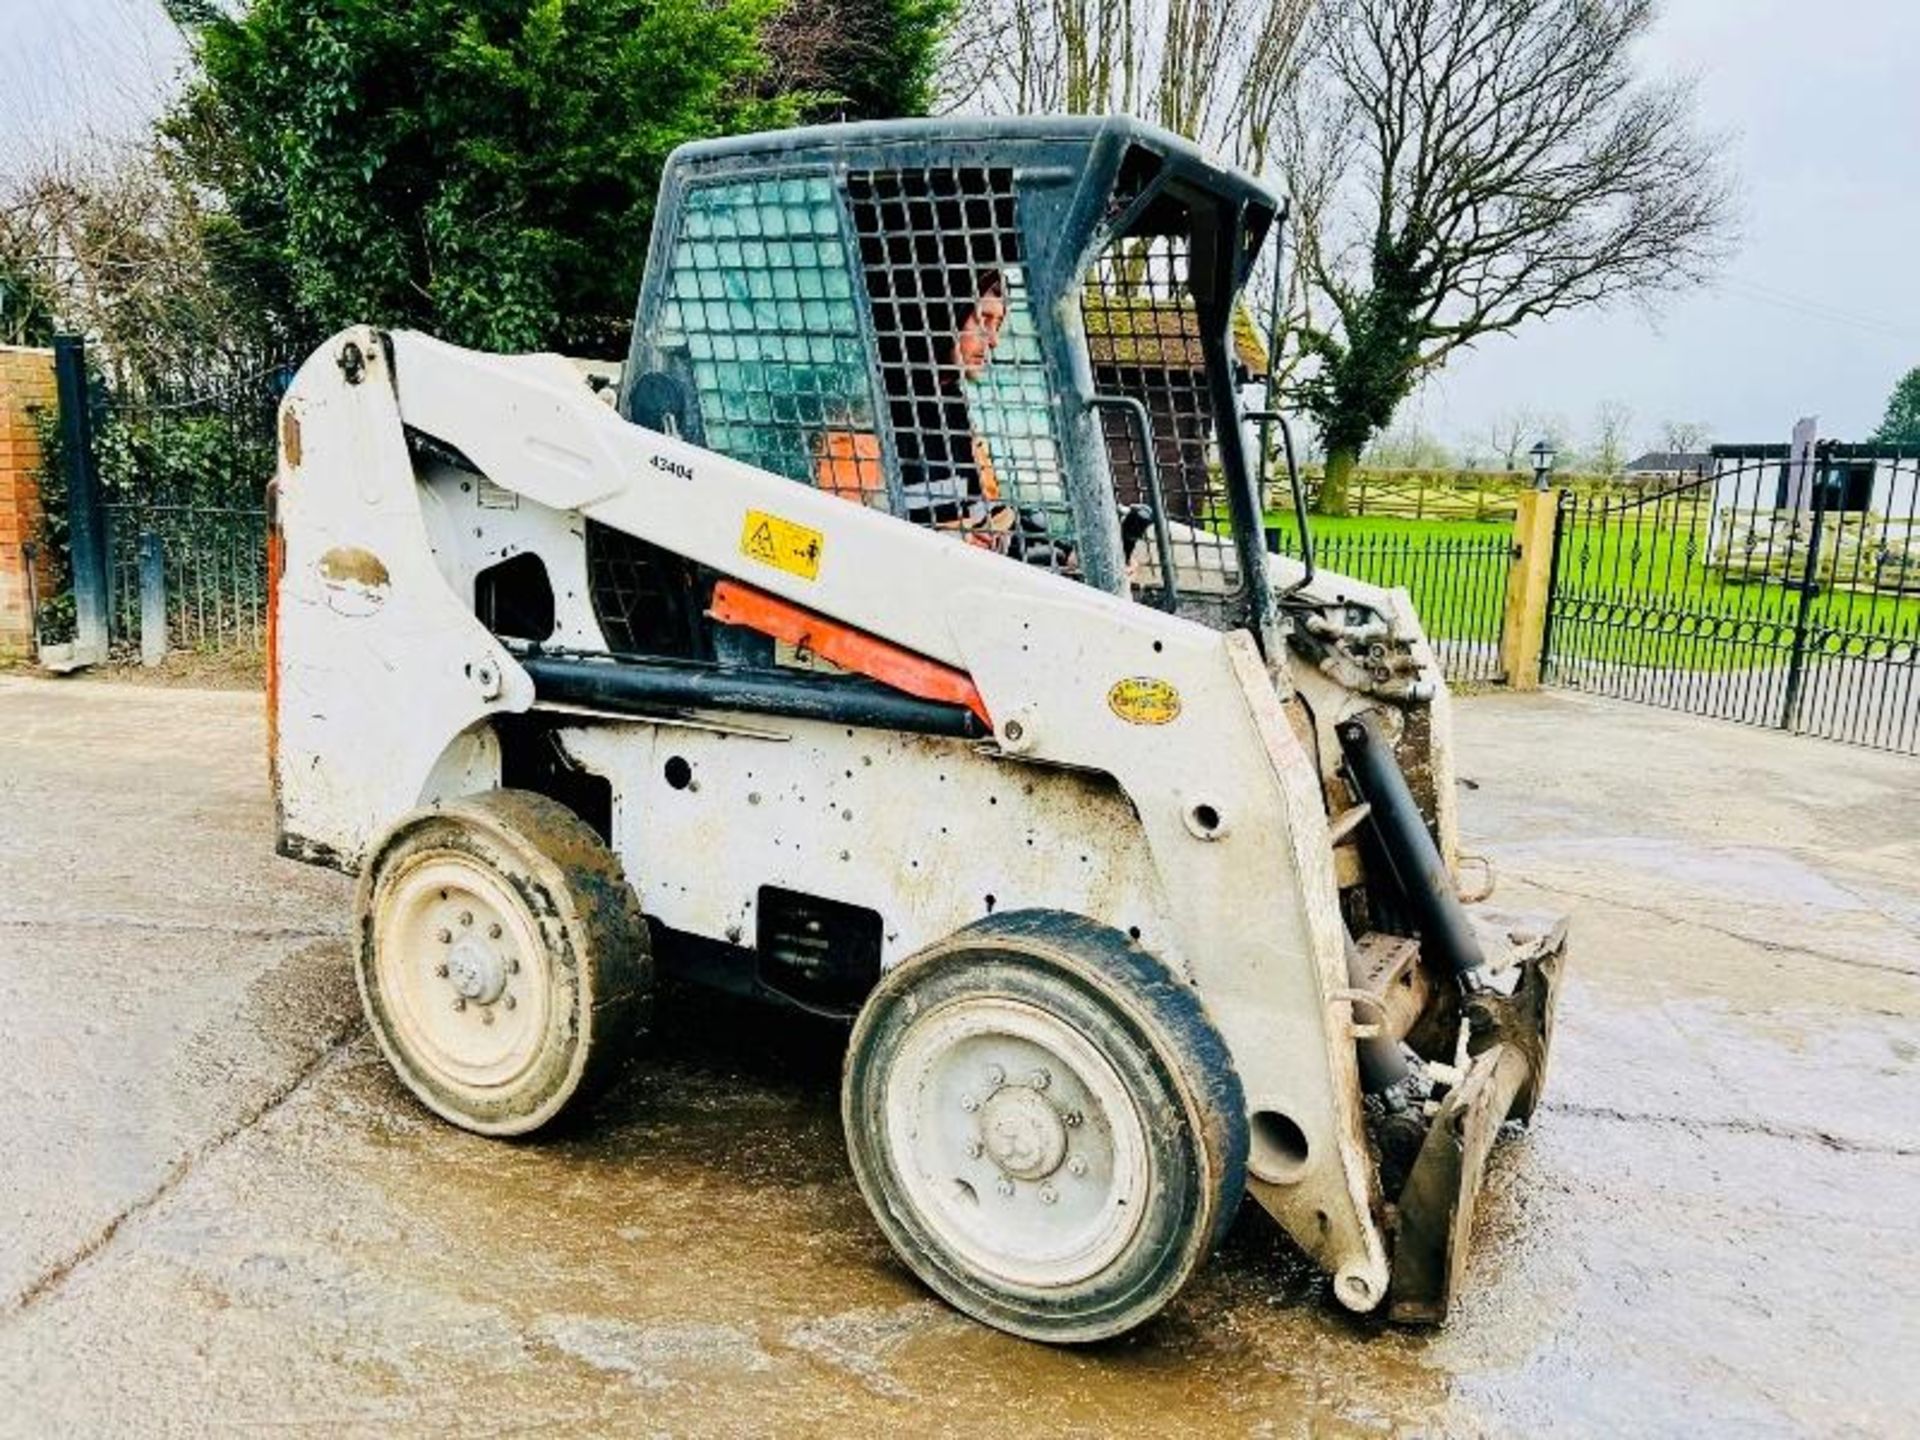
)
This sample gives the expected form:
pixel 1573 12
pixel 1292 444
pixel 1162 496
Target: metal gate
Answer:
pixel 199 570
pixel 1779 588
pixel 165 536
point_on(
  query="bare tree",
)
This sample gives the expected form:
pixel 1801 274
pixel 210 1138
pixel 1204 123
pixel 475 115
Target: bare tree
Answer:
pixel 1215 71
pixel 1612 424
pixel 1685 437
pixel 1509 435
pixel 1513 436
pixel 853 59
pixel 1462 168
pixel 1408 445
pixel 114 249
pixel 802 41
pixel 1551 430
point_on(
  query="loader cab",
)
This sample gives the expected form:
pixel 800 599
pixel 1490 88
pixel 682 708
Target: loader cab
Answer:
pixel 1019 331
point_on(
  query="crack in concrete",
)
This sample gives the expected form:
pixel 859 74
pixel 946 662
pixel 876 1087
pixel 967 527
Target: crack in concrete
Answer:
pixel 57 1274
pixel 97 921
pixel 1758 942
pixel 1795 1134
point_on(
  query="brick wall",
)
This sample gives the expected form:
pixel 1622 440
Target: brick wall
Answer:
pixel 26 383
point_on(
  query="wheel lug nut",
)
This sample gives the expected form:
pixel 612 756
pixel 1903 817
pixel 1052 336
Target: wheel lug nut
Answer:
pixel 975 1149
pixel 969 1104
pixel 466 917
pixel 996 1076
pixel 459 1002
pixel 1076 1166
pixel 493 931
pixel 1041 1079
pixel 513 967
pixel 445 937
pixel 441 971
pixel 1073 1119
pixel 509 1002
pixel 486 1016
pixel 1048 1195
pixel 1005 1186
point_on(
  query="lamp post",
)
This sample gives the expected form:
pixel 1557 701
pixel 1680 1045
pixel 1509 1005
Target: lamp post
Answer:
pixel 1542 464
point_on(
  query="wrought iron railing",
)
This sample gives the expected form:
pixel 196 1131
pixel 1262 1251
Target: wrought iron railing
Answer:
pixel 1457 576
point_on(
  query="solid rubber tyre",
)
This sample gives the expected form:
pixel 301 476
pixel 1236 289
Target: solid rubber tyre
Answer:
pixel 502 960
pixel 1045 1124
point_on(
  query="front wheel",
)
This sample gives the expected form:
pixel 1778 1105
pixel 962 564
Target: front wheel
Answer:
pixel 1045 1124
pixel 501 957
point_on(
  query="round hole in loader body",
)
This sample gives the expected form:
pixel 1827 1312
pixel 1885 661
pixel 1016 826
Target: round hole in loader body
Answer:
pixel 501 958
pixel 1045 1124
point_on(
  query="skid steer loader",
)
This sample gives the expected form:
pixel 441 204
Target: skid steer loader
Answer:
pixel 901 644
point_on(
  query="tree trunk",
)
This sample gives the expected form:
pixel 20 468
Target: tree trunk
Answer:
pixel 1333 489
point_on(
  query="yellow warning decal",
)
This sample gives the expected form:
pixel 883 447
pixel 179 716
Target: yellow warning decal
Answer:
pixel 782 544
pixel 1142 700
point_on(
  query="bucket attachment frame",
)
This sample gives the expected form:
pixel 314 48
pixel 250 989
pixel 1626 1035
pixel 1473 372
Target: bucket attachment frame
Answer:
pixel 1509 1038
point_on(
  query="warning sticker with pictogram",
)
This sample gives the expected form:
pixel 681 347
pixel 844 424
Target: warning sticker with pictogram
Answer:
pixel 782 544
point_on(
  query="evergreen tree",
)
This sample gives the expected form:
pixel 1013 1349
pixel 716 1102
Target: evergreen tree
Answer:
pixel 484 169
pixel 1902 425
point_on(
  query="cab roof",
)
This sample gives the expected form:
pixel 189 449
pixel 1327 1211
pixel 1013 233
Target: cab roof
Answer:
pixel 1098 144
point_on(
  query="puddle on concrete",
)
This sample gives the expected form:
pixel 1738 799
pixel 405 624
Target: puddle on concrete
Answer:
pixel 698 1238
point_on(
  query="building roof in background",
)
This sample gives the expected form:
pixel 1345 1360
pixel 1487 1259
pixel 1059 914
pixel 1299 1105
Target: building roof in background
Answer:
pixel 1158 335
pixel 1671 462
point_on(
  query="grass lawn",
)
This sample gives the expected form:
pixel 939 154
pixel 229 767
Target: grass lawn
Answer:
pixel 1640 597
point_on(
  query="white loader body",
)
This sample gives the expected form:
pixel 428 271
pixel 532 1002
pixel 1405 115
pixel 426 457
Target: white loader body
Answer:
pixel 1203 834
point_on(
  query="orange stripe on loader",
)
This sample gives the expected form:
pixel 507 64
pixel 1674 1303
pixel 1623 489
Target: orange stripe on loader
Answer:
pixel 850 649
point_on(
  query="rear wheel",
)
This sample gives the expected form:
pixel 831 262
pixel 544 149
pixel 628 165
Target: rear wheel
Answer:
pixel 1045 1124
pixel 501 958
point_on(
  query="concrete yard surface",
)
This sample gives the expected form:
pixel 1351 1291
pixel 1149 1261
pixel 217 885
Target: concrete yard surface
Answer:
pixel 221 1212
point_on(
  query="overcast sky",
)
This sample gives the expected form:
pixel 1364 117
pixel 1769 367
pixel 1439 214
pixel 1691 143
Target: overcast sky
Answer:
pixel 1818 313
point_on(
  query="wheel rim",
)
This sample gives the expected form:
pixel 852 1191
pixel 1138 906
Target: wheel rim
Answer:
pixel 462 971
pixel 1019 1145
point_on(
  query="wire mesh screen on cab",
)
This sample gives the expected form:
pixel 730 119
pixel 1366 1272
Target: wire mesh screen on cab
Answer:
pixel 878 341
pixel 759 300
pixel 959 362
pixel 758 312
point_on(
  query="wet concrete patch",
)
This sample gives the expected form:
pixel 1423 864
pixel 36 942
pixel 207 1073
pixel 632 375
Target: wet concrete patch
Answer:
pixel 128 1060
pixel 311 1259
pixel 653 1357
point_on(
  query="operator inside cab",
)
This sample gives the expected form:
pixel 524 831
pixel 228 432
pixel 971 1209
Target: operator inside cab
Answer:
pixel 938 310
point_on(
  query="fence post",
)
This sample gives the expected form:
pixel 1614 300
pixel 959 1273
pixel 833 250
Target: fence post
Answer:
pixel 86 515
pixel 153 599
pixel 1529 588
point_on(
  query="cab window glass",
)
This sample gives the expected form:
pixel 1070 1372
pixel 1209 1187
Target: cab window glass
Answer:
pixel 760 301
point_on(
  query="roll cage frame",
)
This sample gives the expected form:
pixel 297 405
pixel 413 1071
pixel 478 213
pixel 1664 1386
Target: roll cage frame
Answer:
pixel 1079 186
